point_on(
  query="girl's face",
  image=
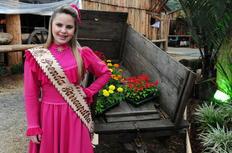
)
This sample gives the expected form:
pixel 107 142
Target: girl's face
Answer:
pixel 63 28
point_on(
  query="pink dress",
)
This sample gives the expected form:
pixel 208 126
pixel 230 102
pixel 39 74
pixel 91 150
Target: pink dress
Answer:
pixel 62 131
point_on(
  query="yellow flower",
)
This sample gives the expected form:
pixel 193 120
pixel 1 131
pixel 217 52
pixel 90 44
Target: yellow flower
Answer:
pixel 108 61
pixel 106 93
pixel 111 91
pixel 109 64
pixel 111 87
pixel 120 89
pixel 111 70
pixel 104 90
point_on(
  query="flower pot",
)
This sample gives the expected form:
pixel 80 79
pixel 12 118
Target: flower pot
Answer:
pixel 106 108
pixel 142 101
pixel 109 107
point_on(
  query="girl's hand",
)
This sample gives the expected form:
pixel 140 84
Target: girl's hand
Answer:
pixel 35 138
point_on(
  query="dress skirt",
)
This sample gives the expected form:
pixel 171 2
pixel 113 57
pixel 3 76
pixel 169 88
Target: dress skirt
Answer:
pixel 63 131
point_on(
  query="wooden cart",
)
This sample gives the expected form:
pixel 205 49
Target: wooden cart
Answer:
pixel 109 33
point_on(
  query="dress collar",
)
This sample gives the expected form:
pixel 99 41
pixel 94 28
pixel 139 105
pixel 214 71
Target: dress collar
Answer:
pixel 59 48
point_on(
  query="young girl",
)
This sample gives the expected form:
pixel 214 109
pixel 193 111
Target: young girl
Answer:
pixel 53 125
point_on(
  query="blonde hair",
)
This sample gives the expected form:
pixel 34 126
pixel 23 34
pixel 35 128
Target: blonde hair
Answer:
pixel 73 42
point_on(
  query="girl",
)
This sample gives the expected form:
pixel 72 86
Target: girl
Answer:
pixel 53 124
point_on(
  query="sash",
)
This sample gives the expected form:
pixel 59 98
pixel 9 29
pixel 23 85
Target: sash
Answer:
pixel 72 94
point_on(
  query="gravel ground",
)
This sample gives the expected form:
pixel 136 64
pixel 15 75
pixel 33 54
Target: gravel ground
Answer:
pixel 12 126
pixel 12 120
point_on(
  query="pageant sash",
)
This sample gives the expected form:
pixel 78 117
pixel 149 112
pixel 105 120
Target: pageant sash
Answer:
pixel 74 95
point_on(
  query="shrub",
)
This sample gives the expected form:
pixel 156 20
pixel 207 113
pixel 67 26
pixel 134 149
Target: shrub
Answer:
pixel 217 140
pixel 216 124
pixel 208 115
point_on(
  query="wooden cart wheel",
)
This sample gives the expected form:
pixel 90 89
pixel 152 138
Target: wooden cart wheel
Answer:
pixel 38 36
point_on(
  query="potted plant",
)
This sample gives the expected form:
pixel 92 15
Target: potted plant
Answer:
pixel 139 89
pixel 113 92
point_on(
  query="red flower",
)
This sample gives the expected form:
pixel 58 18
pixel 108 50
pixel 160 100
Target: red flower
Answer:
pixel 139 87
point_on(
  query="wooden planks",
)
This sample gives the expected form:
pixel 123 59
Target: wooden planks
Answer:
pixel 184 99
pixel 134 126
pixel 111 49
pixel 126 112
pixel 142 56
pixel 137 15
pixel 137 64
pixel 103 31
pixel 126 109
pixel 133 118
pixel 139 4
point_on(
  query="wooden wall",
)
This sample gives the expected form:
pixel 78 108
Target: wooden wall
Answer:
pixel 138 16
pixel 138 4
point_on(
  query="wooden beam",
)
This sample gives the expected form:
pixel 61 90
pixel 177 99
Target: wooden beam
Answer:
pixel 15 48
pixel 159 40
pixel 154 5
pixel 161 6
pixel 156 17
pixel 134 126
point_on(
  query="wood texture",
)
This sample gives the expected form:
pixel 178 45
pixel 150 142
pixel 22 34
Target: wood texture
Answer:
pixel 125 109
pixel 133 118
pixel 13 26
pixel 134 126
pixel 137 16
pixel 127 112
pixel 142 56
pixel 139 4
pixel 15 48
pixel 103 31
pixel 184 98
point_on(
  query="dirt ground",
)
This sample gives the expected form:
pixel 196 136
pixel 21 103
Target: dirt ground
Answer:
pixel 13 126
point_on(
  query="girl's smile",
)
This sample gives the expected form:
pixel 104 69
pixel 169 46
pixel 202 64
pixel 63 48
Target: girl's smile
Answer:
pixel 63 28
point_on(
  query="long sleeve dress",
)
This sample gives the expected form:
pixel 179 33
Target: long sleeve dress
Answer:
pixel 48 113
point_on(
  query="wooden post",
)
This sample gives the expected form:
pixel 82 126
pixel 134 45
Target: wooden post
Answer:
pixel 165 29
pixel 13 26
